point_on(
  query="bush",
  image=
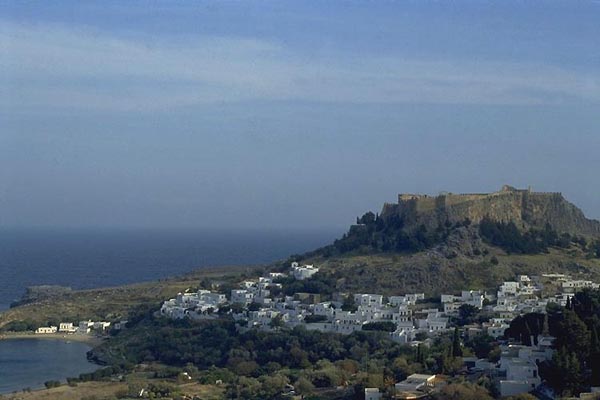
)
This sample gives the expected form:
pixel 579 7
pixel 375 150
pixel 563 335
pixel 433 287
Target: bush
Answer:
pixel 507 236
pixel 315 318
pixel 385 326
pixel 52 384
pixel 20 326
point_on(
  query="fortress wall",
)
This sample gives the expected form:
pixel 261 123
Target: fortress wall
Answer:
pixel 506 208
pixel 453 199
pixel 432 211
pixel 525 208
pixel 426 204
pixel 410 196
pixel 545 194
pixel 472 206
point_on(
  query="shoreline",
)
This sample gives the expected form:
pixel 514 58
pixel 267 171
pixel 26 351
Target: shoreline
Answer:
pixel 92 341
pixel 31 389
pixel 191 274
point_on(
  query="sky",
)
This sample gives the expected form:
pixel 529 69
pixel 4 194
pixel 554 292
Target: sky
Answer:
pixel 289 114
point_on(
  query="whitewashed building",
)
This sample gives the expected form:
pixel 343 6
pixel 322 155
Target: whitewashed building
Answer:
pixel 67 327
pixel 242 296
pixel 46 329
pixel 303 272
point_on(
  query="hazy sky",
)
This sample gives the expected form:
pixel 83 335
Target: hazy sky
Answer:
pixel 289 114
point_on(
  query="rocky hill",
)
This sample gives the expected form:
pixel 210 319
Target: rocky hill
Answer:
pixel 452 242
pixel 524 207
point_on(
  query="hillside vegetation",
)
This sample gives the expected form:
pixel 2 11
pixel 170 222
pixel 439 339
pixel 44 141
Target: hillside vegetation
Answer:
pixel 432 245
pixel 113 303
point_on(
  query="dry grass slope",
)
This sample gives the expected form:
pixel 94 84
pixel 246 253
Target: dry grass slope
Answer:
pixel 107 390
pixel 433 273
pixel 113 303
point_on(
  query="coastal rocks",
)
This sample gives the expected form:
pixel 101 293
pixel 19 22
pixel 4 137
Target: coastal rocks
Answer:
pixel 34 294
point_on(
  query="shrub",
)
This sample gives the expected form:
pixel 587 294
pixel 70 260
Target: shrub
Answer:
pixel 52 384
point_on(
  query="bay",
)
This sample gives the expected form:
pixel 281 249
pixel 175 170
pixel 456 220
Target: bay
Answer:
pixel 28 363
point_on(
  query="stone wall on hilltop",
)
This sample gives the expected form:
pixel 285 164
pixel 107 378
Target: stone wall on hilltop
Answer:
pixel 527 209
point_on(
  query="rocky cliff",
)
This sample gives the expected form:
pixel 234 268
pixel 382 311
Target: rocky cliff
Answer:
pixel 526 208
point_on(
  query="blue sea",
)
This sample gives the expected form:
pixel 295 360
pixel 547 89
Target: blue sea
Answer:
pixel 28 363
pixel 82 258
pixel 99 258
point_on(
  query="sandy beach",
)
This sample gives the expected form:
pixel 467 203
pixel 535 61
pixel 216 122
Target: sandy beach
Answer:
pixel 88 339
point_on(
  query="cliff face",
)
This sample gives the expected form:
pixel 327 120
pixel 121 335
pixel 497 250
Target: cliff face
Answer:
pixel 525 208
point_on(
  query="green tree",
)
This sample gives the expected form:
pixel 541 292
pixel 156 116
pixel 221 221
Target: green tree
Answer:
pixel 385 326
pixel 456 347
pixel 272 386
pixel 303 386
pixel 467 314
pixel 420 354
pixel 574 334
pixel 594 359
pixel 526 335
pixel 545 326
pixel 573 378
pixel 276 322
pixel 349 304
pixel 244 388
pixel 566 375
pixel 481 345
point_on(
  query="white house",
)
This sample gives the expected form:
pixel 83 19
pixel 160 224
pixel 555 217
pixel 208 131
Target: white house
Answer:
pixel 346 326
pixel 408 299
pixel 101 325
pixel 85 326
pixel 435 324
pixel 323 308
pixel 169 309
pixel 508 289
pixel 303 272
pixel 402 314
pixel 214 299
pixel 521 376
pixel 404 335
pixel 496 330
pixel 571 286
pixel 197 305
pixel 451 308
pixel 368 300
pixel 276 275
pixel 66 327
pixel 519 363
pixel 263 318
pixel 472 297
pixel 242 296
pixel 46 329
